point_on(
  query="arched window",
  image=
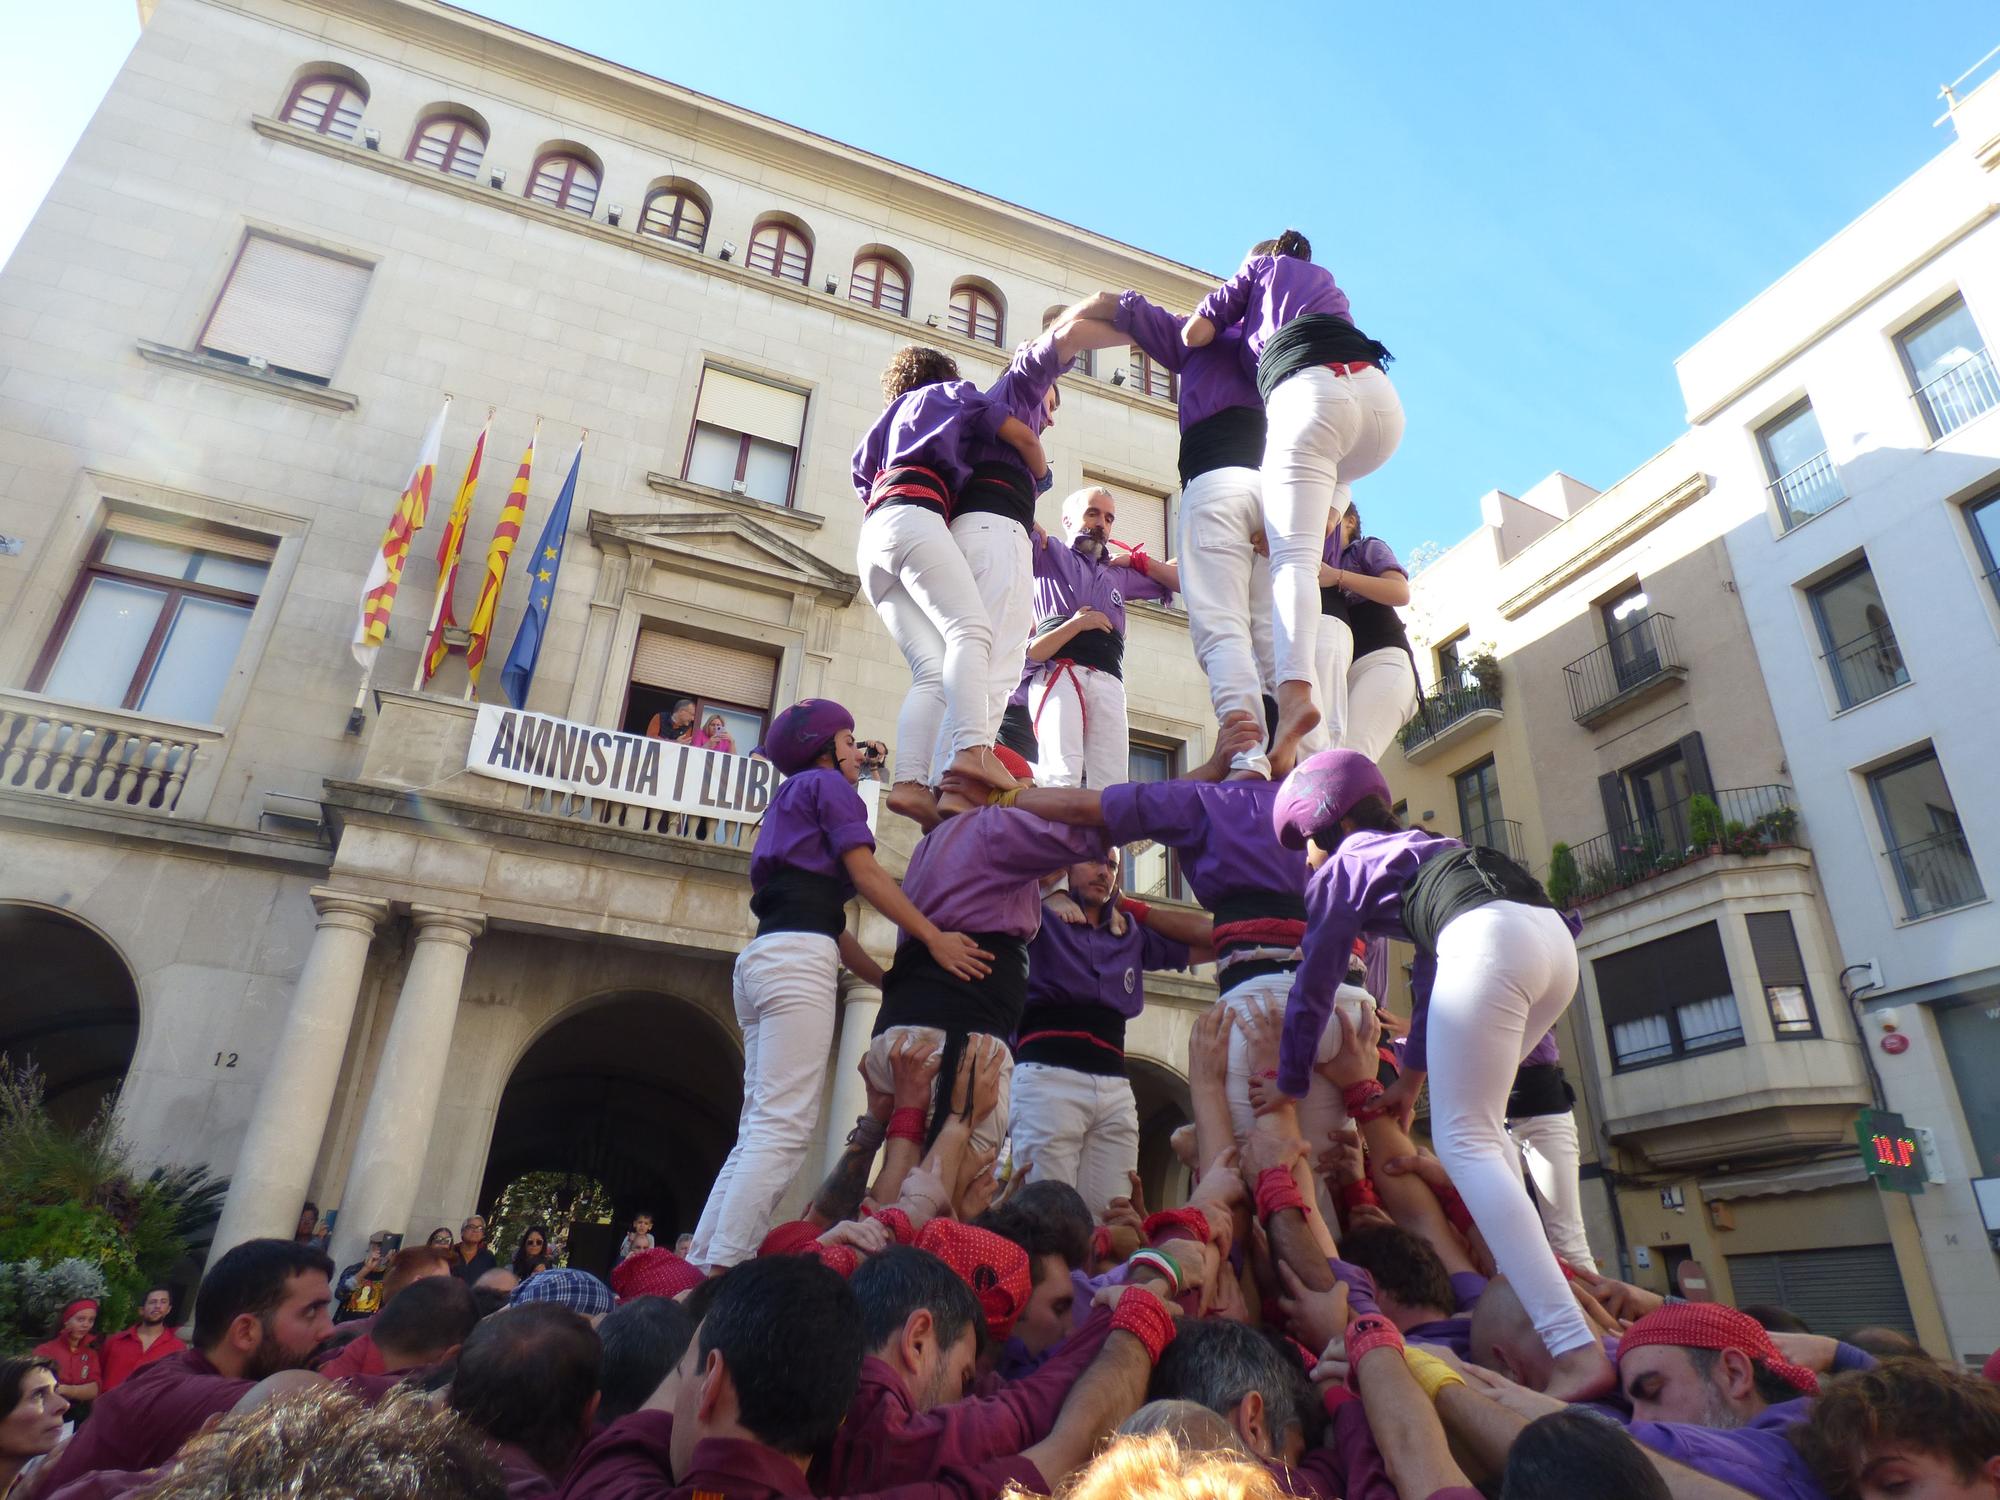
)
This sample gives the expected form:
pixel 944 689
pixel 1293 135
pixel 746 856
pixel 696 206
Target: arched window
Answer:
pixel 780 249
pixel 1080 362
pixel 1153 378
pixel 675 212
pixel 975 314
pixel 450 143
pixel 878 281
pixel 327 104
pixel 562 179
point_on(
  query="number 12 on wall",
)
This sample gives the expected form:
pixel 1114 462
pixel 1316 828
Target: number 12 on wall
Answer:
pixel 225 1059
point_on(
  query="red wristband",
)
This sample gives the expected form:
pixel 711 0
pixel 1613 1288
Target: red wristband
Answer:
pixel 907 1125
pixel 1101 1247
pixel 1138 909
pixel 1358 1193
pixel 1140 566
pixel 899 1224
pixel 1190 1221
pixel 1357 1097
pixel 1140 1314
pixel 1277 1190
pixel 1366 1334
pixel 1454 1208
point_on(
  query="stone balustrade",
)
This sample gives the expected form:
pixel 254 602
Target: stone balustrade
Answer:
pixel 101 756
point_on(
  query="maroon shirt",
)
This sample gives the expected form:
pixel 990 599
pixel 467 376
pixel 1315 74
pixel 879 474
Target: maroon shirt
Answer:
pixel 125 1356
pixel 887 1441
pixel 143 1423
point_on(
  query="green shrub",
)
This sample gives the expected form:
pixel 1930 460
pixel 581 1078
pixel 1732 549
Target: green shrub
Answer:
pixel 1704 822
pixel 1564 878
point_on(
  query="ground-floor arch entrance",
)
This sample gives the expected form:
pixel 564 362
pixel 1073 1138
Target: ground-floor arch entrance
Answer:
pixel 68 1005
pixel 1162 1099
pixel 637 1091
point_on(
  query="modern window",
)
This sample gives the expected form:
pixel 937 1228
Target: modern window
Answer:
pixel 746 436
pixel 1983 516
pixel 876 281
pixel 1856 640
pixel 286 308
pixel 677 214
pixel 1480 817
pixel 1803 479
pixel 326 104
pixel 1951 374
pixel 562 179
pixel 1657 790
pixel 450 144
pixel 1450 658
pixel 1667 999
pixel 156 620
pixel 1782 970
pixel 1969 1035
pixel 975 314
pixel 1635 654
pixel 1151 378
pixel 780 249
pixel 1152 871
pixel 1925 841
pixel 719 680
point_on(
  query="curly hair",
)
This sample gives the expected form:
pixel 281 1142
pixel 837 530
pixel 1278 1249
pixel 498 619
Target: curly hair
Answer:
pixel 1159 1468
pixel 916 365
pixel 1911 1403
pixel 1294 244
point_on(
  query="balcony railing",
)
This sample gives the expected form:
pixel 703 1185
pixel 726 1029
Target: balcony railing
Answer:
pixel 1745 821
pixel 1867 667
pixel 1812 487
pixel 1968 389
pixel 96 756
pixel 1937 874
pixel 1632 660
pixel 1456 696
pixel 1503 834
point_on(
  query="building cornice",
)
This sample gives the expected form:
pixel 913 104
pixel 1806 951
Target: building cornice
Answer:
pixel 1614 541
pixel 780 566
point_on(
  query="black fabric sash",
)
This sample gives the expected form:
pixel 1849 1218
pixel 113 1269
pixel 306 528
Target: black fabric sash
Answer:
pixel 1100 650
pixel 1082 1038
pixel 1540 1089
pixel 1253 968
pixel 913 486
pixel 1314 339
pixel 999 489
pixel 1450 885
pixel 1253 906
pixel 917 991
pixel 1232 438
pixel 799 901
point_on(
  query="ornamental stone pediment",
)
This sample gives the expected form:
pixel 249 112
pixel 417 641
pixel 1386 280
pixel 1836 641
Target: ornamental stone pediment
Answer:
pixel 720 544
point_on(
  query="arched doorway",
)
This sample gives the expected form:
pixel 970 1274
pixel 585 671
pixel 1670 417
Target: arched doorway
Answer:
pixel 68 1005
pixel 1162 1097
pixel 638 1091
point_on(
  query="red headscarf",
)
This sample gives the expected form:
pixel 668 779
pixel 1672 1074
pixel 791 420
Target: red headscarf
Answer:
pixel 74 1308
pixel 996 1269
pixel 653 1273
pixel 789 1239
pixel 1709 1325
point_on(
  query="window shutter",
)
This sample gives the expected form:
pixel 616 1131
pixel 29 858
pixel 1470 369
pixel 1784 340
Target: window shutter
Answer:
pixel 1776 947
pixel 1611 790
pixel 752 406
pixel 1142 521
pixel 1848 1287
pixel 703 669
pixel 188 536
pixel 1695 758
pixel 1626 986
pixel 288 305
pixel 1654 977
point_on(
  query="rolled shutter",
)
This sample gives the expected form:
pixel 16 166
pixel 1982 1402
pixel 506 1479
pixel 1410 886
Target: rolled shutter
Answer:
pixel 1834 1290
pixel 1695 757
pixel 1654 977
pixel 289 306
pixel 1142 522
pixel 1776 947
pixel 703 670
pixel 188 536
pixel 742 405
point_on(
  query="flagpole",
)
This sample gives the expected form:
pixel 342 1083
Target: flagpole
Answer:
pixel 534 443
pixel 357 714
pixel 438 603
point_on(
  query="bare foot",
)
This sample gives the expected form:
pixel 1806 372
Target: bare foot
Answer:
pixel 1582 1374
pixel 1297 718
pixel 952 801
pixel 913 800
pixel 981 764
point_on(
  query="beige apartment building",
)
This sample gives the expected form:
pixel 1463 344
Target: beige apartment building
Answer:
pixel 311 948
pixel 1596 709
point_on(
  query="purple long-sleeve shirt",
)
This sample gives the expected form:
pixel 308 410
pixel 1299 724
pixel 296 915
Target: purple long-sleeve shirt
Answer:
pixel 1066 581
pixel 981 871
pixel 1019 392
pixel 1757 1457
pixel 1267 293
pixel 1213 377
pixel 936 427
pixel 1085 963
pixel 1365 554
pixel 1223 832
pixel 814 818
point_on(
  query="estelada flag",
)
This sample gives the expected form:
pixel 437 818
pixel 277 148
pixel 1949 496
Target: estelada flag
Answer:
pixel 385 573
pixel 505 534
pixel 449 547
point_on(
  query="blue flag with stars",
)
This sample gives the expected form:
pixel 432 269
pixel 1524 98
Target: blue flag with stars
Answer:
pixel 519 672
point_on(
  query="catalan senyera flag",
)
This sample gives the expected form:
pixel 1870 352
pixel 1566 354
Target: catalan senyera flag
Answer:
pixel 517 673
pixel 449 547
pixel 385 573
pixel 505 534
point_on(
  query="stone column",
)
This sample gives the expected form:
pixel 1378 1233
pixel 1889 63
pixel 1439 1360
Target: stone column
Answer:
pixel 274 1167
pixel 395 1132
pixel 847 1097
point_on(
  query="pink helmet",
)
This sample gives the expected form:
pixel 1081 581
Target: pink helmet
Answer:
pixel 1321 791
pixel 797 737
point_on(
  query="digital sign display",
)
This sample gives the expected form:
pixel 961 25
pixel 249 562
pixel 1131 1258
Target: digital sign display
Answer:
pixel 1890 1151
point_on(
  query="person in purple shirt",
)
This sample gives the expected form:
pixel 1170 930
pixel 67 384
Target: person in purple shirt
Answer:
pixel 1076 662
pixel 814 852
pixel 1367 671
pixel 1074 1117
pixel 1496 964
pixel 1333 416
pixel 908 470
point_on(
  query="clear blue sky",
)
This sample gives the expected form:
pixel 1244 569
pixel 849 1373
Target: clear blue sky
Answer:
pixel 1536 206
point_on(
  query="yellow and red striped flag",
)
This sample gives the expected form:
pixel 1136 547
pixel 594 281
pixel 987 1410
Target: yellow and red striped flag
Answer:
pixel 505 534
pixel 385 573
pixel 449 547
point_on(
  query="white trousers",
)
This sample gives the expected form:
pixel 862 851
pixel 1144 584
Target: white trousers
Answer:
pixel 1078 1128
pixel 994 1130
pixel 1553 1160
pixel 1325 432
pixel 1363 702
pixel 1001 559
pixel 1227 587
pixel 785 986
pixel 920 584
pixel 1080 724
pixel 1504 973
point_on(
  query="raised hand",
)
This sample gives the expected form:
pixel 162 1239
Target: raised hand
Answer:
pixel 1315 1318
pixel 1062 906
pixel 1208 1047
pixel 1356 1059
pixel 913 1070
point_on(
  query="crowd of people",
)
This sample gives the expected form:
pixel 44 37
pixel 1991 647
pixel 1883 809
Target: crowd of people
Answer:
pixel 977 1301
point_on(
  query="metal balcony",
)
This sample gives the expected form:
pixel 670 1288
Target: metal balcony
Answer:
pixel 1632 665
pixel 1812 487
pixel 1967 390
pixel 1937 874
pixel 1866 667
pixel 1749 821
pixel 1452 706
pixel 1503 834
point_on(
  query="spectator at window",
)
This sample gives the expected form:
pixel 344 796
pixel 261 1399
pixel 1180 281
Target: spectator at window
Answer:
pixel 714 735
pixel 676 725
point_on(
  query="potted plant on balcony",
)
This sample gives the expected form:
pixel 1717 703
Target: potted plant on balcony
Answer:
pixel 1483 667
pixel 1704 824
pixel 1564 877
pixel 1779 826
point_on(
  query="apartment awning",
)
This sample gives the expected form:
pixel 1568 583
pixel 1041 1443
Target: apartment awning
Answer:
pixel 1807 1179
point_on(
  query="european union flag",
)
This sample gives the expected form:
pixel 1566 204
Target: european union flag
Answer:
pixel 543 565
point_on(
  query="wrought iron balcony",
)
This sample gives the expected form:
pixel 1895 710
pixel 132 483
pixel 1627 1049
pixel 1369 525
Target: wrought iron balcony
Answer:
pixel 1739 820
pixel 1937 874
pixel 1450 702
pixel 1503 834
pixel 1867 667
pixel 1968 389
pixel 1812 487
pixel 1630 666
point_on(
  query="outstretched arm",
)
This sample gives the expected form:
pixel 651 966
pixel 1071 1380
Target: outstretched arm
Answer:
pixel 1019 436
pixel 1077 806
